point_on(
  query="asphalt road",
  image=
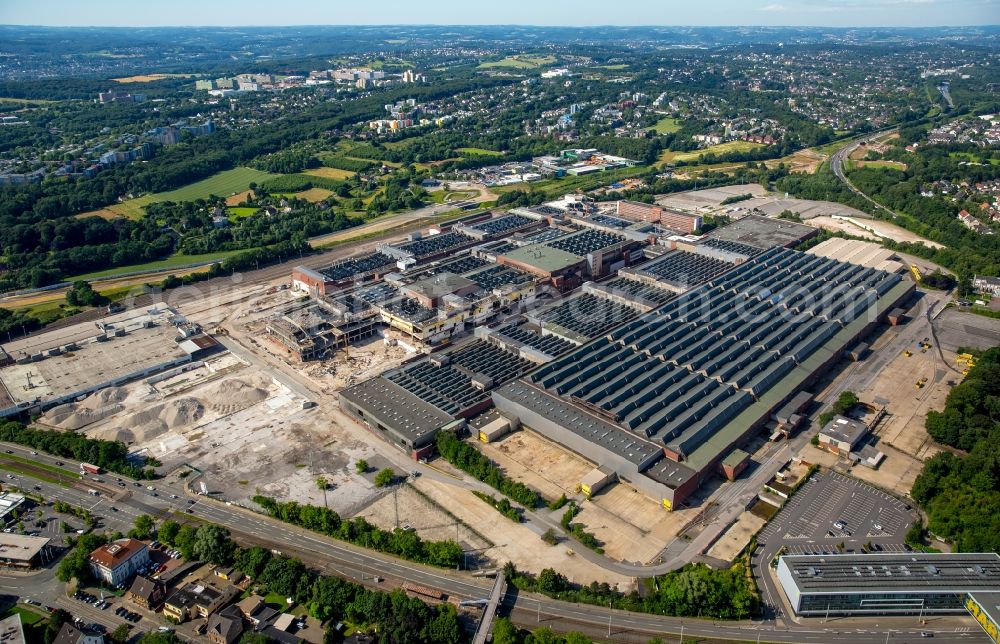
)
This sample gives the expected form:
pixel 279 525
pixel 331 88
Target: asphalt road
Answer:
pixel 837 166
pixel 345 560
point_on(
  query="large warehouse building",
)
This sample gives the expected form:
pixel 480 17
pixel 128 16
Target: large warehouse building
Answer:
pixel 664 397
pixel 412 403
pixel 907 583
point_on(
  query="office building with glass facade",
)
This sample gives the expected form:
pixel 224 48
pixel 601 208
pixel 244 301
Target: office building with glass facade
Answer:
pixel 907 583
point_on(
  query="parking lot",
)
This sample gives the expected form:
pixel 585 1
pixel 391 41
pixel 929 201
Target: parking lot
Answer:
pixel 831 509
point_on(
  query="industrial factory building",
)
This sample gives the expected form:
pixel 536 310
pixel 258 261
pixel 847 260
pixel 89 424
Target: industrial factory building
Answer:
pixel 413 402
pixel 664 397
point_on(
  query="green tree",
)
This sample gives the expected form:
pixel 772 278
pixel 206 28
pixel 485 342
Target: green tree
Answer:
pixel 252 560
pixel 121 634
pixel 143 528
pixel 212 544
pixel 444 627
pixel 504 632
pixel 385 477
pixel 321 483
pixel 361 466
pixel 184 541
pixel 168 532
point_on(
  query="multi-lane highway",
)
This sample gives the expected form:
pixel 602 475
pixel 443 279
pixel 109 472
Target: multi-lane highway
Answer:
pixel 837 166
pixel 338 558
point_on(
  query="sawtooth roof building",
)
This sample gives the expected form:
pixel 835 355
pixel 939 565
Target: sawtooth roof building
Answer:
pixel 664 397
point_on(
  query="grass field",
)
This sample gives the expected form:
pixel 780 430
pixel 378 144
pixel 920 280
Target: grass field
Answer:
pixel 42 466
pixel 28 617
pixel 330 173
pixel 23 101
pixel 895 165
pixel 48 312
pixel 971 158
pixel 666 125
pixel 613 68
pixel 238 212
pixel 35 470
pixel 479 152
pixel 519 62
pixel 731 146
pixel 171 262
pixel 222 184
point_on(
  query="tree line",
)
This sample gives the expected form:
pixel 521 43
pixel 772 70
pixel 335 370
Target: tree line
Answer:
pixel 694 590
pixel 471 461
pixel 961 494
pixel 110 455
pixel 405 544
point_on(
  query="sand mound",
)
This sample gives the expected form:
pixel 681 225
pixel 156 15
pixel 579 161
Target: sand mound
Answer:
pixel 182 412
pixel 234 394
pixel 108 396
pixel 159 419
pixel 95 407
pixel 73 416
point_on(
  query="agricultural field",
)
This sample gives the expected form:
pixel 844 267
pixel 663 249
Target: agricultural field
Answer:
pixel 330 173
pixel 669 156
pixel 149 78
pixel 222 184
pixel 313 195
pixel 526 61
pixel 667 125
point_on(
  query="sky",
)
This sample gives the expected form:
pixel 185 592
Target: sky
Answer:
pixel 830 13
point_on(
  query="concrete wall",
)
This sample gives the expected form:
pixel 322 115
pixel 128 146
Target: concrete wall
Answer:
pixel 787 582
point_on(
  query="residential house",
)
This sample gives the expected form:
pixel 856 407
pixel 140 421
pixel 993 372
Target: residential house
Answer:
pixel 197 599
pixel 146 592
pixel 226 626
pixel 70 634
pixel 259 614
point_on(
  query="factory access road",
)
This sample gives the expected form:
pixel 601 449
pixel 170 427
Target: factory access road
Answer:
pixel 345 560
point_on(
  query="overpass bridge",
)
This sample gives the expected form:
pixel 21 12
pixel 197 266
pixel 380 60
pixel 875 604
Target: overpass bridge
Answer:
pixel 486 621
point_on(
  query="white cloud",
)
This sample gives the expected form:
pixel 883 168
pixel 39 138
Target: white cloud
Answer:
pixel 773 7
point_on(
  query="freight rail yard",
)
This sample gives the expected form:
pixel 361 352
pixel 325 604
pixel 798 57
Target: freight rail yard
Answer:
pixel 607 352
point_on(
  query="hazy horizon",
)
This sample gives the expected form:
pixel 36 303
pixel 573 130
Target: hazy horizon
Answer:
pixel 581 13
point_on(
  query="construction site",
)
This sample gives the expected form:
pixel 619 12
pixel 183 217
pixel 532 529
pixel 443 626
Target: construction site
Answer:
pixel 603 351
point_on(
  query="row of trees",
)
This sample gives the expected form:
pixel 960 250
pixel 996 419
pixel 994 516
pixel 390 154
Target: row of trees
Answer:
pixel 694 590
pixel 972 409
pixel 961 494
pixel 393 617
pixel 111 455
pixel 470 460
pixel 401 543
